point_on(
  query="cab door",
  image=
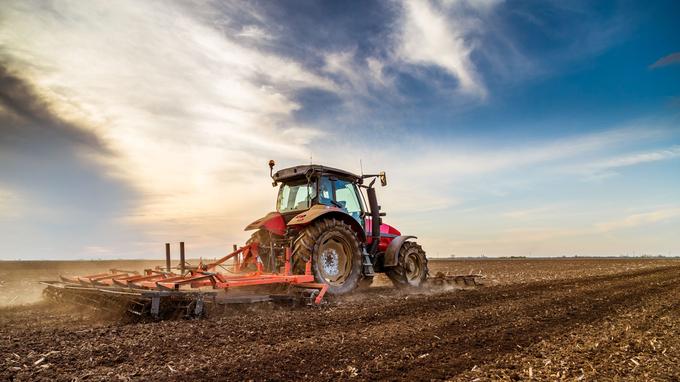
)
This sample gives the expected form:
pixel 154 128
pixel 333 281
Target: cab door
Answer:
pixel 346 194
pixel 341 193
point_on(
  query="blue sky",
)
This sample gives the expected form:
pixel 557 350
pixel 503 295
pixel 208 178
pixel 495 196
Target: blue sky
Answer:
pixel 538 128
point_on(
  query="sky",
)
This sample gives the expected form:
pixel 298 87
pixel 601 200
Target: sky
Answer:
pixel 506 128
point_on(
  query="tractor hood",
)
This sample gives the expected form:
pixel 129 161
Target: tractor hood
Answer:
pixel 272 222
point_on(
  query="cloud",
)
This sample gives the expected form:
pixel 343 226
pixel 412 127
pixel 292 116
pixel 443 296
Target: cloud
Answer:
pixel 342 65
pixel 444 174
pixel 671 59
pixel 530 213
pixel 52 177
pixel 9 204
pixel 640 219
pixel 603 168
pixel 439 34
pixel 254 32
pixel 361 82
pixel 477 159
pixel 26 116
pixel 634 159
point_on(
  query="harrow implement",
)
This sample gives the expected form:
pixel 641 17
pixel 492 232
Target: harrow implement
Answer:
pixel 441 279
pixel 188 291
pixel 139 302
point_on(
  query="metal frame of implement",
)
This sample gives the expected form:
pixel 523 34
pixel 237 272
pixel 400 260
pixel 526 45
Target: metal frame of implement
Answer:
pixel 189 285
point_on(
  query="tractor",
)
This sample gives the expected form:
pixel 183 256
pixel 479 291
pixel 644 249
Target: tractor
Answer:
pixel 332 217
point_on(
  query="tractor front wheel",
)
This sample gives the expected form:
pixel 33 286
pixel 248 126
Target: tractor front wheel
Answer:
pixel 264 239
pixel 335 252
pixel 412 267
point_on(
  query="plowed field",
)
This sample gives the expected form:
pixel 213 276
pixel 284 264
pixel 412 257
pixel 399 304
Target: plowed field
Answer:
pixel 562 319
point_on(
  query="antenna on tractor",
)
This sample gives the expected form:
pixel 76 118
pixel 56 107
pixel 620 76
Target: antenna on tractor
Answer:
pixel 361 167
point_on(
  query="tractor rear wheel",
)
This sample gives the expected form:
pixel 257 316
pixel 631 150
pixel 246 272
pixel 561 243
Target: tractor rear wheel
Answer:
pixel 335 252
pixel 412 267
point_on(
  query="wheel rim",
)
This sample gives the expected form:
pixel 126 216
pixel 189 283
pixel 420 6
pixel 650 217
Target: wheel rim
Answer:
pixel 334 261
pixel 413 267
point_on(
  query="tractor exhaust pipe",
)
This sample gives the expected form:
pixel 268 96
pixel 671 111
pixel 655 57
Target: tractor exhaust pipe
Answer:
pixel 375 219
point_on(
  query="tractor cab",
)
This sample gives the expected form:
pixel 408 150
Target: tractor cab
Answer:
pixel 332 188
pixel 307 192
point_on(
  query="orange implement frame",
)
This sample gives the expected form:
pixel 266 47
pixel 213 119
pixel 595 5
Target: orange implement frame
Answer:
pixel 204 275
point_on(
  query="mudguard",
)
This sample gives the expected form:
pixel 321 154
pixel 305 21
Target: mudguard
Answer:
pixel 319 210
pixel 392 252
pixel 272 222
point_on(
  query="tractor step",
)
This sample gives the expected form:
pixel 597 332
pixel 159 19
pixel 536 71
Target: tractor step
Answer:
pixel 367 265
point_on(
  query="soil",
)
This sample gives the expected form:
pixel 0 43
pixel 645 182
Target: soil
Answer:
pixel 561 319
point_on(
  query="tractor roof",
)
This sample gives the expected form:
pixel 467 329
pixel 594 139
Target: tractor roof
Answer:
pixel 300 171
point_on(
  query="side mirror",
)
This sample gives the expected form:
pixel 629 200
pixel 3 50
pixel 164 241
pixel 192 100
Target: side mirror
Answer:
pixel 383 178
pixel 271 170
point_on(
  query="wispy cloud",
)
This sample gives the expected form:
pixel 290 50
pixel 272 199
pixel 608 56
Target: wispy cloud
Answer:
pixel 634 159
pixel 254 32
pixel 425 35
pixel 452 169
pixel 476 159
pixel 604 168
pixel 26 116
pixel 671 59
pixel 436 33
pixel 9 204
pixel 640 219
pixel 529 213
pixel 359 78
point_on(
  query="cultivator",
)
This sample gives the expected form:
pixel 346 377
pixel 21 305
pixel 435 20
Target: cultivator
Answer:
pixel 463 281
pixel 189 291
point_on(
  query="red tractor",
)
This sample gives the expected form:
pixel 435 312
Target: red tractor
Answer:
pixel 322 214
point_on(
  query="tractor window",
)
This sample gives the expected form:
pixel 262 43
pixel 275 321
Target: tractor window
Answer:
pixel 295 196
pixel 325 191
pixel 346 194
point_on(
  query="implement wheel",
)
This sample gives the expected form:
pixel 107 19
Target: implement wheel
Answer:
pixel 335 252
pixel 412 267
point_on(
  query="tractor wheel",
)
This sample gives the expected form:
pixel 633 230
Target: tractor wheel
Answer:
pixel 412 267
pixel 262 238
pixel 335 252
